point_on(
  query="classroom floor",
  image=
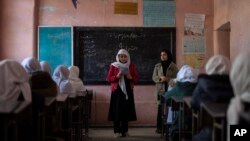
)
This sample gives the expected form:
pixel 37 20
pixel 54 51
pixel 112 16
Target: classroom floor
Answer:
pixel 135 134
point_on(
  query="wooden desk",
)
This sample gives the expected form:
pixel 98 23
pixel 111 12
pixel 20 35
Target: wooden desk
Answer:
pixel 49 101
pixel 8 107
pixel 64 114
pixel 187 101
pixel 217 111
pixel 50 114
pixel 177 105
pixel 88 99
pixel 187 113
pixel 194 114
pixel 11 114
pixel 61 97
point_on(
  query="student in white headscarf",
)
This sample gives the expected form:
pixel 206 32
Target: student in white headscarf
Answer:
pixel 31 64
pixel 122 75
pixel 214 86
pixel 185 84
pixel 45 66
pixel 74 79
pixel 40 81
pixel 14 81
pixel 61 77
pixel 240 79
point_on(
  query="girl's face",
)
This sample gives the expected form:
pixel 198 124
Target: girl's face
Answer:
pixel 164 56
pixel 123 58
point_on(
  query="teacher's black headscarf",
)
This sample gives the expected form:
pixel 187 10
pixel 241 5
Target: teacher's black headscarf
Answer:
pixel 165 64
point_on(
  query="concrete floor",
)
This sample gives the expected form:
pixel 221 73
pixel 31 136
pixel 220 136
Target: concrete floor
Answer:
pixel 136 134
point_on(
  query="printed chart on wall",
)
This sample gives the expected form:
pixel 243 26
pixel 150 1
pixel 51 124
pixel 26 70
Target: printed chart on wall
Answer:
pixel 55 45
pixel 159 13
pixel 194 40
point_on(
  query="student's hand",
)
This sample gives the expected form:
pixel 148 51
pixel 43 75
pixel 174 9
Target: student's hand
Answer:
pixel 119 75
pixel 129 76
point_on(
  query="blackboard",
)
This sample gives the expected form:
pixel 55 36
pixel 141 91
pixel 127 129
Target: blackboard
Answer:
pixel 55 45
pixel 95 49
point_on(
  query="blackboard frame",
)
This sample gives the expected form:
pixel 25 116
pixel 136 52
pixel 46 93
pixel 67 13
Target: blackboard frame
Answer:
pixel 55 45
pixel 80 51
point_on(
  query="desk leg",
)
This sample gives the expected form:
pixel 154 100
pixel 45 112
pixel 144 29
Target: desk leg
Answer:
pixel 214 132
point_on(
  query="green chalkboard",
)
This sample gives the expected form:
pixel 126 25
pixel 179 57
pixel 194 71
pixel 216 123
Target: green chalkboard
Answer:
pixel 55 45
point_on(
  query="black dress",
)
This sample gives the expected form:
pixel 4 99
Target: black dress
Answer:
pixel 121 109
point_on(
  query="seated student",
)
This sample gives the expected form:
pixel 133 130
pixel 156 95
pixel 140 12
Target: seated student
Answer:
pixel 14 82
pixel 14 86
pixel 40 81
pixel 214 86
pixel 240 79
pixel 61 77
pixel 74 79
pixel 45 67
pixel 42 86
pixel 186 82
pixel 31 64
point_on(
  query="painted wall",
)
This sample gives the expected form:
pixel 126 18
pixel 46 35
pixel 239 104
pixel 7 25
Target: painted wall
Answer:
pixel 197 7
pixel 237 14
pixel 17 29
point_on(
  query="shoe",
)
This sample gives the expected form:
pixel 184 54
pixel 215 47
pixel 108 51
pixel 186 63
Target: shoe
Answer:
pixel 125 134
pixel 117 135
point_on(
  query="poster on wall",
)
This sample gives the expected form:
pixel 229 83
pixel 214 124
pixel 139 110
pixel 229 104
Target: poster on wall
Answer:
pixel 194 40
pixel 195 60
pixel 55 45
pixel 194 44
pixel 129 8
pixel 159 13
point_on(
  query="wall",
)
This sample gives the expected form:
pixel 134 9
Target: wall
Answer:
pixel 197 7
pixel 237 15
pixel 17 29
pixel 88 13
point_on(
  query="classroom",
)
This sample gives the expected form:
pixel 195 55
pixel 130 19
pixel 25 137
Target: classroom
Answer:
pixel 89 33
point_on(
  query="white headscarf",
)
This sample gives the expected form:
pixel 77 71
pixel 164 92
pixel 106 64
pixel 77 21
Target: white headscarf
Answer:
pixel 61 77
pixel 119 65
pixel 74 79
pixel 31 64
pixel 14 81
pixel 218 64
pixel 240 80
pixel 45 66
pixel 186 74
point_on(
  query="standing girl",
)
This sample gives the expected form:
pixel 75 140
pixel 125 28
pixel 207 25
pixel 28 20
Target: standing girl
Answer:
pixel 122 75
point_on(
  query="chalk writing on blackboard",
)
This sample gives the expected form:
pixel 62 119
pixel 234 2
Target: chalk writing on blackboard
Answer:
pixel 96 47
